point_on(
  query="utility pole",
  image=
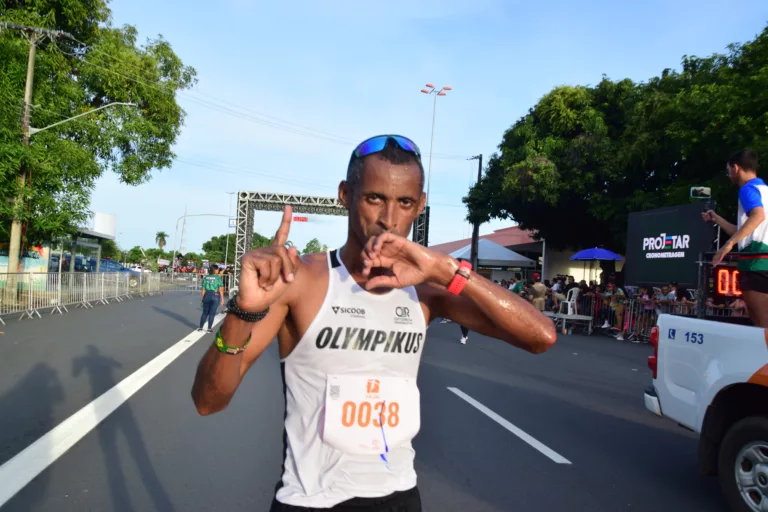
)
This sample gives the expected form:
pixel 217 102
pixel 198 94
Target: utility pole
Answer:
pixel 476 225
pixel 33 35
pixel 14 251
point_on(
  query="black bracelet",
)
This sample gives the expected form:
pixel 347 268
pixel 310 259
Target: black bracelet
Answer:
pixel 246 316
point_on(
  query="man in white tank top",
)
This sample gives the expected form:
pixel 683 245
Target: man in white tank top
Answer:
pixel 351 327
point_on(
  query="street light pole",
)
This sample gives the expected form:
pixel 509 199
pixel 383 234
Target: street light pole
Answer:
pixel 226 252
pixel 431 89
pixel 476 225
pixel 15 243
pixel 173 257
pixel 33 131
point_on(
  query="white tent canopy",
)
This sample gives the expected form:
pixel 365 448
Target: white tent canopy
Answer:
pixel 490 254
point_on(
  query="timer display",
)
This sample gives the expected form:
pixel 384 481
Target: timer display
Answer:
pixel 726 282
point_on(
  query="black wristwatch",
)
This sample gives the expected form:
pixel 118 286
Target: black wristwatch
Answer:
pixel 246 316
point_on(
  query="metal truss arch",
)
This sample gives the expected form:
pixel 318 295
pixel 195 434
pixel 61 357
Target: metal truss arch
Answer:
pixel 249 202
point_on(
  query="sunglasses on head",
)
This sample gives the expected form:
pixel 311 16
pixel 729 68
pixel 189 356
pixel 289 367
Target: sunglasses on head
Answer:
pixel 379 142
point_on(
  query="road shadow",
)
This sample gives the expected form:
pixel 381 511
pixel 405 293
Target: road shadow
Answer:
pixel 175 316
pixel 26 414
pixel 100 370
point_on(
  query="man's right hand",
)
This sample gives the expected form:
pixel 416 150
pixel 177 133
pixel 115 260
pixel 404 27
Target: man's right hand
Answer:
pixel 266 272
pixel 710 216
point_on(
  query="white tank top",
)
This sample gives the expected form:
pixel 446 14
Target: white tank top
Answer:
pixel 359 334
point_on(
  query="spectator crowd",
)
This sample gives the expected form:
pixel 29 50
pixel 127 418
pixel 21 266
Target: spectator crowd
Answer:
pixel 628 312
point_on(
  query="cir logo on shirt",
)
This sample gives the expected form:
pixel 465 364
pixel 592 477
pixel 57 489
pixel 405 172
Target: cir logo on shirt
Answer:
pixel 403 315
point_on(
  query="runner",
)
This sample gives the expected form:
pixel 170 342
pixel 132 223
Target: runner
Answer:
pixel 751 234
pixel 350 327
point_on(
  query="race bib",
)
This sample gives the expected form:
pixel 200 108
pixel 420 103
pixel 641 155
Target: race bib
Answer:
pixel 370 415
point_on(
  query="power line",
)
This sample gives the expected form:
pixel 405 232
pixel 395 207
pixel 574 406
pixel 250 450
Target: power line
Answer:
pixel 286 125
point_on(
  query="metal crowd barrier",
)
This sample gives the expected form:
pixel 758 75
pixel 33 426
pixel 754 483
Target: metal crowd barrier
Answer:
pixel 27 294
pixel 635 318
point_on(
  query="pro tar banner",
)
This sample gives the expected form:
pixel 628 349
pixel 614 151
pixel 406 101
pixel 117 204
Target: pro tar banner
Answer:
pixel 663 245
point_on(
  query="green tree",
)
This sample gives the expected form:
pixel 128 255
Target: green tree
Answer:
pixel 160 239
pixel 134 255
pixel 583 158
pixel 110 249
pixel 104 64
pixel 215 248
pixel 192 258
pixel 313 246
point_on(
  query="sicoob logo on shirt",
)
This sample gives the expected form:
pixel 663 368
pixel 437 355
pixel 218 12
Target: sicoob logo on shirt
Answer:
pixel 355 312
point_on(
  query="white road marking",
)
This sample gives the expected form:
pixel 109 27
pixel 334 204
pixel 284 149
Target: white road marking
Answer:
pixel 544 449
pixel 16 473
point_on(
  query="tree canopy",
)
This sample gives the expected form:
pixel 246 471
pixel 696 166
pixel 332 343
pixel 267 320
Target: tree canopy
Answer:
pixel 313 246
pixel 215 248
pixel 103 64
pixel 584 157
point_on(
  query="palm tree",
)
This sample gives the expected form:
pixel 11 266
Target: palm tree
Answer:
pixel 160 239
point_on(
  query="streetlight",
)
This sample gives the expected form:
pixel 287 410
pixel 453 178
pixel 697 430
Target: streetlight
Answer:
pixel 15 238
pixel 226 251
pixel 176 232
pixel 33 131
pixel 431 89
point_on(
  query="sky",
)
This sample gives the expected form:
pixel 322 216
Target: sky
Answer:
pixel 308 80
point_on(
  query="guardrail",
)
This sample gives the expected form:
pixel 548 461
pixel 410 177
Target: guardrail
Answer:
pixel 634 318
pixel 27 294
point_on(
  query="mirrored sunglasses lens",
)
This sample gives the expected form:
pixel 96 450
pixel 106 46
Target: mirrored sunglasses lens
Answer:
pixel 371 146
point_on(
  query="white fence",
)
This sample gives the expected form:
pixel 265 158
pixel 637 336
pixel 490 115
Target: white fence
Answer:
pixel 27 294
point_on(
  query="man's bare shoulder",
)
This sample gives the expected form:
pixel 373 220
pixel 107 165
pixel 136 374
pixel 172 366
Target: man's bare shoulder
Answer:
pixel 315 261
pixel 311 282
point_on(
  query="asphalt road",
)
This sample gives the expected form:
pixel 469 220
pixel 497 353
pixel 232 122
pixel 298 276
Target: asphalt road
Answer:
pixel 582 400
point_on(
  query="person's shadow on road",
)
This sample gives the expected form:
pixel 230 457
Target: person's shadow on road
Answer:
pixel 27 414
pixel 100 369
pixel 170 314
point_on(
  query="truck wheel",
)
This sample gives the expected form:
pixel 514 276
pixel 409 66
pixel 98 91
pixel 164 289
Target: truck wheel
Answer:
pixel 743 465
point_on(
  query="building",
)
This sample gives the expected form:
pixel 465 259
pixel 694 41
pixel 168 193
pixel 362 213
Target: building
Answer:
pixel 550 263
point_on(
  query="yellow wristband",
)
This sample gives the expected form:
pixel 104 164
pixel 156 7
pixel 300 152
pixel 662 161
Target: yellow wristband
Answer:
pixel 223 347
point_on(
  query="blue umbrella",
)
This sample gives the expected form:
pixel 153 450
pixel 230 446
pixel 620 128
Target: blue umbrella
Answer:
pixel 596 254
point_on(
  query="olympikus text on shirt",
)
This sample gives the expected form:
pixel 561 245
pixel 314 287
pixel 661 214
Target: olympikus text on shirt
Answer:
pixel 354 338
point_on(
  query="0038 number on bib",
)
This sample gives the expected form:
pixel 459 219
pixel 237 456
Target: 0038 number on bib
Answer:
pixel 369 415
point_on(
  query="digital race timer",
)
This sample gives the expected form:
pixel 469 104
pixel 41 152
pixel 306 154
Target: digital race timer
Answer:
pixel 725 282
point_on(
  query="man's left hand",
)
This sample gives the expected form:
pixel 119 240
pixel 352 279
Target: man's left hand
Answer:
pixel 722 253
pixel 404 263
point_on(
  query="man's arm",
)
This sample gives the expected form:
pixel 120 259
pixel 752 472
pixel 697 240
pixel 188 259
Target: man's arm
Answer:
pixel 219 374
pixel 755 217
pixel 489 310
pixel 726 226
pixel 264 283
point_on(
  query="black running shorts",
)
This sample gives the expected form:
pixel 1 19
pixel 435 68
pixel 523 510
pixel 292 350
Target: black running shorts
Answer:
pixel 403 501
pixel 754 280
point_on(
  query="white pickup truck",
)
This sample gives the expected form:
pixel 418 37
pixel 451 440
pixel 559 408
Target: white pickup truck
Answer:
pixel 712 377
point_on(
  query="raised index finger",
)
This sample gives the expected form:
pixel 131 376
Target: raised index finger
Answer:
pixel 285 227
